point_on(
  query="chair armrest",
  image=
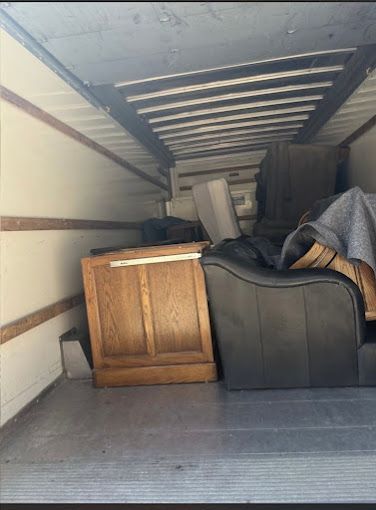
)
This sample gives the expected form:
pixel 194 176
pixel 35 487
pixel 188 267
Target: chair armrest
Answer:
pixel 289 278
pixel 265 277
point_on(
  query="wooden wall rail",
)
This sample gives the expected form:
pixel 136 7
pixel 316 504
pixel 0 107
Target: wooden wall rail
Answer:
pixel 16 223
pixel 34 319
pixel 36 112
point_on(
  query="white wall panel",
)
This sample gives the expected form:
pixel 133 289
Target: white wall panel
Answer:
pixel 45 89
pixel 362 163
pixel 32 361
pixel 44 173
pixel 41 267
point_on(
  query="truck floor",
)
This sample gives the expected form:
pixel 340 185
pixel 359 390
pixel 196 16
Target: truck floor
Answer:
pixel 192 443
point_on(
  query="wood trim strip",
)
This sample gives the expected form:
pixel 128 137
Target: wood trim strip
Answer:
pixel 220 170
pixel 146 360
pixel 230 183
pixel 34 319
pixel 167 374
pixel 92 311
pixel 359 132
pixel 45 117
pixel 147 314
pixel 20 223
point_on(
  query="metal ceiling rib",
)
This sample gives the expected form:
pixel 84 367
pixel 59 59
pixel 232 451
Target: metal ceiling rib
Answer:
pixel 232 108
pixel 231 137
pixel 234 96
pixel 223 145
pixel 234 66
pixel 236 108
pixel 355 112
pixel 234 125
pixel 234 82
pixel 234 133
pixel 240 116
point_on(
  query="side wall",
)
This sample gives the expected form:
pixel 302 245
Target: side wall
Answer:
pixel 44 173
pixel 362 163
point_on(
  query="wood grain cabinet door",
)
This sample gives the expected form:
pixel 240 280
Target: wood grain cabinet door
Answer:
pixel 147 314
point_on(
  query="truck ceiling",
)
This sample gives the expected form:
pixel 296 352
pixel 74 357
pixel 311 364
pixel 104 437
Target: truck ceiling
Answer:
pixel 196 79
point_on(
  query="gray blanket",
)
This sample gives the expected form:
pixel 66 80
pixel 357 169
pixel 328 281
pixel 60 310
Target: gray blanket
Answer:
pixel 352 235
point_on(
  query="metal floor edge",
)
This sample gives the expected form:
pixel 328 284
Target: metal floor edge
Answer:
pixel 303 478
pixel 192 444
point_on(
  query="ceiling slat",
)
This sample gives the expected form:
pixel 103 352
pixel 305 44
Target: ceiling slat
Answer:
pixel 231 108
pixel 237 81
pixel 234 95
pixel 228 118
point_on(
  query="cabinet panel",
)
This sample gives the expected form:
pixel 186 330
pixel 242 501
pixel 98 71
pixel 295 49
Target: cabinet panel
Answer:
pixel 120 310
pixel 174 305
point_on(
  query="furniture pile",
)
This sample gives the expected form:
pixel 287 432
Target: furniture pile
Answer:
pixel 310 324
pixel 314 326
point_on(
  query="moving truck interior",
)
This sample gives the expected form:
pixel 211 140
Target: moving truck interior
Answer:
pixel 188 253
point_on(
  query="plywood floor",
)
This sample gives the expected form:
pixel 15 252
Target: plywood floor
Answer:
pixel 192 443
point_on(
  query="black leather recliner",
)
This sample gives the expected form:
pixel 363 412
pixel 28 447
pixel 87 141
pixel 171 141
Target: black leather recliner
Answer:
pixel 286 329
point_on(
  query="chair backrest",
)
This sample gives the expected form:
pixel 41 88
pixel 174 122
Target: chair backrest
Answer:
pixel 293 177
pixel 280 329
pixel 216 210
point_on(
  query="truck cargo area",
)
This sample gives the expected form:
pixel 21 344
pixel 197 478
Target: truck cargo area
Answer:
pixel 188 252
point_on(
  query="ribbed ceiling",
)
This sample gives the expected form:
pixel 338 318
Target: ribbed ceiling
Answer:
pixel 236 108
pixel 355 112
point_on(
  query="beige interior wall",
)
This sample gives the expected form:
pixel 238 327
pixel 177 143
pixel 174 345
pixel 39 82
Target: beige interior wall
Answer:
pixel 46 174
pixel 362 163
pixel 32 361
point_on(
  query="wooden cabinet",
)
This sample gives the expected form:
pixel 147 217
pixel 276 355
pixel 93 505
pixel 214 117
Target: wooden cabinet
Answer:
pixel 148 316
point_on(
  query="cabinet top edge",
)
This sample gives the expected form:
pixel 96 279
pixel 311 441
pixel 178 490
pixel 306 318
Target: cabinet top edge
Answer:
pixel 145 251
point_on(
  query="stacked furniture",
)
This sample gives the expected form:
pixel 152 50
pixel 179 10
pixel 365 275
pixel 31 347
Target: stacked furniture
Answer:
pixel 291 328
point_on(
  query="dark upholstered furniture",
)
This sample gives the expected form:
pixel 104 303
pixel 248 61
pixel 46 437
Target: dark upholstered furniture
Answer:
pixel 287 329
pixel 292 178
